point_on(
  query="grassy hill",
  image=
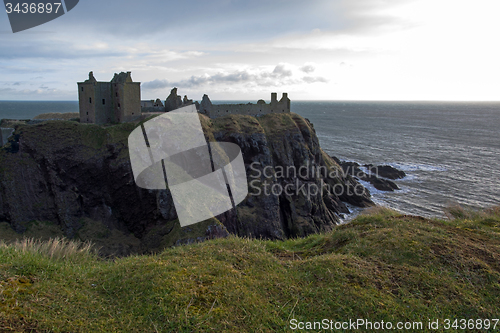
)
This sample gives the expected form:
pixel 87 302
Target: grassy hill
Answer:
pixel 382 266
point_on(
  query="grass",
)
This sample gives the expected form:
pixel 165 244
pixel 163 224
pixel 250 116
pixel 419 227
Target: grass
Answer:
pixel 381 266
pixel 58 116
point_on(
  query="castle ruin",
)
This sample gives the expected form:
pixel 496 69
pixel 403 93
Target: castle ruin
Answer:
pixel 261 108
pixel 119 101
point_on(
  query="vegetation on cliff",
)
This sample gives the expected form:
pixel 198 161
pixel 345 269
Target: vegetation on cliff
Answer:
pixel 73 179
pixel 382 266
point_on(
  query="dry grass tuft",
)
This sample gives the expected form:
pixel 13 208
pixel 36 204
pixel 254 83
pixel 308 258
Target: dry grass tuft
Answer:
pixel 456 211
pixel 55 248
pixel 380 211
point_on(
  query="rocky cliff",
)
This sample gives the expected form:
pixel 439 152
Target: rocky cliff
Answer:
pixel 78 179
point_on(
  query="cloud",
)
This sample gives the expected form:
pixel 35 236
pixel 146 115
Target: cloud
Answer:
pixel 156 84
pixel 281 75
pixel 281 71
pixel 314 79
pixel 308 68
pixel 29 47
pixel 130 19
pixel 264 78
pixel 6 91
pixel 43 93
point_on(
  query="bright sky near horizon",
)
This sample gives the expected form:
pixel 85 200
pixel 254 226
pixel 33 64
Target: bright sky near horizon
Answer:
pixel 243 50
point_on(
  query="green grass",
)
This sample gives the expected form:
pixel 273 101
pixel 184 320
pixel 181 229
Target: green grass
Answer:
pixel 382 266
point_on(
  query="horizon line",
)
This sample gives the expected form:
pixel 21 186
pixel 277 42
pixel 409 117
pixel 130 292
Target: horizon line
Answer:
pixel 293 100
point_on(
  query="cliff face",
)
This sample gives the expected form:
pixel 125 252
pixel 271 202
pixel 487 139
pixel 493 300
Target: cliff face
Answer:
pixel 78 177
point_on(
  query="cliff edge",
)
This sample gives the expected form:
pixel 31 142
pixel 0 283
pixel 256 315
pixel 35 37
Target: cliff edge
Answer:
pixel 72 179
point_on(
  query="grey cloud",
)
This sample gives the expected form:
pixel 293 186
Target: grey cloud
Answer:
pixel 35 48
pixel 282 71
pixel 6 91
pixel 156 84
pixel 314 79
pixel 344 64
pixel 279 76
pixel 29 94
pixel 308 68
pixel 264 78
pixel 16 70
pixel 221 20
pixel 16 84
pixel 235 20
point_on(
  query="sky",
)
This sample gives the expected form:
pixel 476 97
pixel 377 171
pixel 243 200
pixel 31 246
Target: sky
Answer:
pixel 244 50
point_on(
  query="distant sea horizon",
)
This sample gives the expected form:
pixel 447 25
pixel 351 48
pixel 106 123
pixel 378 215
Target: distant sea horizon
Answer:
pixel 449 149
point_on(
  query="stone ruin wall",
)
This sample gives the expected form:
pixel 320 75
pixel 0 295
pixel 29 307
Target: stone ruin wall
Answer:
pixel 119 101
pixel 261 108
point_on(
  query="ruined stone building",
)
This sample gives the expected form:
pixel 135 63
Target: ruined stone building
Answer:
pixel 261 108
pixel 152 104
pixel 174 101
pixel 117 101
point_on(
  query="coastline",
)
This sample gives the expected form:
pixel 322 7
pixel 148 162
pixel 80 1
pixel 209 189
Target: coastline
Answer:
pixel 459 167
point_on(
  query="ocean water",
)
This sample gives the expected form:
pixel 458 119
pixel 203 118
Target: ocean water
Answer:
pixel 30 109
pixel 449 150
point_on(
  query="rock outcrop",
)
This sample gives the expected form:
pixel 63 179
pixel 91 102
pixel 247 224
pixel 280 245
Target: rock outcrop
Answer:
pixel 378 176
pixel 79 177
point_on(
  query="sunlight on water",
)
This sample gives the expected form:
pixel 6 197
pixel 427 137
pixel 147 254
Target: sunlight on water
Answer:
pixel 449 150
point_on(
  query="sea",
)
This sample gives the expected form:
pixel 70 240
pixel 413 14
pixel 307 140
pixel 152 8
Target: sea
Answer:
pixel 449 150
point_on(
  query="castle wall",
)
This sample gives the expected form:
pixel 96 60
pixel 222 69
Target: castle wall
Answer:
pixel 131 101
pixel 86 98
pixel 118 101
pixel 96 105
pixel 146 109
pixel 103 103
pixel 261 108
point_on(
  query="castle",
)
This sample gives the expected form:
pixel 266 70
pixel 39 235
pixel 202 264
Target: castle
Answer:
pixel 219 110
pixel 119 101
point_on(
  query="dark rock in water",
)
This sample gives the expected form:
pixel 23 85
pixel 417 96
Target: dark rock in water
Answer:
pixel 79 177
pixel 375 175
pixel 385 171
pixel 383 184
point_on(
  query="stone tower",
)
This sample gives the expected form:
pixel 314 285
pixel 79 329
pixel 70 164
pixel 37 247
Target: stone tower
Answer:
pixel 117 101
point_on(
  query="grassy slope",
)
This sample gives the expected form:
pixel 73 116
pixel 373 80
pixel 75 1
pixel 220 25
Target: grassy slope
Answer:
pixel 382 266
